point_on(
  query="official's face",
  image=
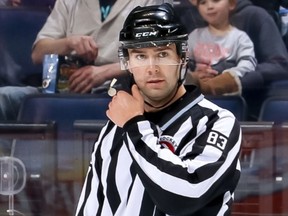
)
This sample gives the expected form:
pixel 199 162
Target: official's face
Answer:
pixel 156 72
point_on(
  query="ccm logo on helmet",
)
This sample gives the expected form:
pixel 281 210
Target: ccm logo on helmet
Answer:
pixel 146 34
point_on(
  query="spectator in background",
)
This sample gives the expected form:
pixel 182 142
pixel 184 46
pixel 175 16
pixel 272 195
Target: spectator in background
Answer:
pixel 14 3
pixel 273 7
pixel 79 30
pixel 221 52
pixel 87 28
pixel 270 51
pixel 8 67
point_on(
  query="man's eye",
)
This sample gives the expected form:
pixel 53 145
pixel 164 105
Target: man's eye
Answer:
pixel 163 54
pixel 140 57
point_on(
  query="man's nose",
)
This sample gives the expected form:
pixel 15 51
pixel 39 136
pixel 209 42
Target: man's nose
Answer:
pixel 152 61
pixel 152 66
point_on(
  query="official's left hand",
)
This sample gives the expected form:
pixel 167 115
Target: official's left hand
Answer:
pixel 125 106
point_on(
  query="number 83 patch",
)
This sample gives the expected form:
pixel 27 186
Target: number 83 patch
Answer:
pixel 218 140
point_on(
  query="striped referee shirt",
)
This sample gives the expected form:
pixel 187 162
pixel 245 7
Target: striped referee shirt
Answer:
pixel 182 160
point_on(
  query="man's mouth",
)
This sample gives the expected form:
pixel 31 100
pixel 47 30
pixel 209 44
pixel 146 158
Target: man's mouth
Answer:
pixel 155 81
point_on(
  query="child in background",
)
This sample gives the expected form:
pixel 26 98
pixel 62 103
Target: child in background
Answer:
pixel 220 50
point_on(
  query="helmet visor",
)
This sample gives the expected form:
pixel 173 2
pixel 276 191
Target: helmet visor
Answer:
pixel 153 54
pixel 144 44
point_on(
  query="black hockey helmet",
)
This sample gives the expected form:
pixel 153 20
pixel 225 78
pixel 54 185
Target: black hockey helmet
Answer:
pixel 151 26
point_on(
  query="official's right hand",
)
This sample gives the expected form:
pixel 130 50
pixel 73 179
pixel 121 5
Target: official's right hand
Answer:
pixel 125 106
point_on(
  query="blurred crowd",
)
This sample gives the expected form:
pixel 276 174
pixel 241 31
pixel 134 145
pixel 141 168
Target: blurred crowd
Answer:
pixel 260 20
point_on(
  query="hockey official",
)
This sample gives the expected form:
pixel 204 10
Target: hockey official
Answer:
pixel 166 150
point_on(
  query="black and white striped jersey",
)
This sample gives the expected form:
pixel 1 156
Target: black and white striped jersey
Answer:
pixel 182 160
